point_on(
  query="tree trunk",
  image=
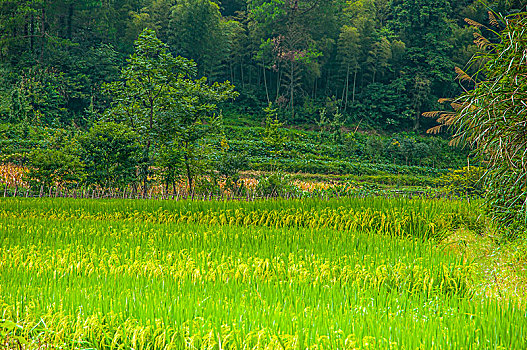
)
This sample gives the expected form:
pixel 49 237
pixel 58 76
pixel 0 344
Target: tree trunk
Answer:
pixel 347 88
pixel 417 124
pixel 69 24
pixel 32 33
pixel 42 30
pixel 189 174
pixel 265 83
pixel 354 85
pixel 147 151
pixel 241 73
pixel 278 80
pixel 328 80
pixel 292 90
pixel 26 27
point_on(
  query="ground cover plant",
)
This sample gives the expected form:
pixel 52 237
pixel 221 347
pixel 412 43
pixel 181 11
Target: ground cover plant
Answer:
pixel 345 273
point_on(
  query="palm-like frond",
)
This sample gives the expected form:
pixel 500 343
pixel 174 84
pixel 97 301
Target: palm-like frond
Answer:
pixel 444 118
pixel 473 23
pixel 492 19
pixel 433 114
pixel 462 76
pixel 435 130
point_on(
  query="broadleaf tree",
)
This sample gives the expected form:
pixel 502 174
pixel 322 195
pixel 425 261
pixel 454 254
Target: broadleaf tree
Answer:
pixel 147 89
pixel 159 96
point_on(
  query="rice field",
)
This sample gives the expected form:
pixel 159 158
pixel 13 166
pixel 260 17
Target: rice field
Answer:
pixel 346 273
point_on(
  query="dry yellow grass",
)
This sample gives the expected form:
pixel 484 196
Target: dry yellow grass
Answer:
pixel 12 175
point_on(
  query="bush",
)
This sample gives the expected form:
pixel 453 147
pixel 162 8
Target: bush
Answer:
pixel 229 165
pixel 110 153
pixel 374 147
pixel 490 117
pixel 276 185
pixel 464 182
pixel 52 167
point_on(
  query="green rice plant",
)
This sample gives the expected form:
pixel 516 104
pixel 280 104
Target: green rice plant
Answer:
pixel 398 217
pixel 181 275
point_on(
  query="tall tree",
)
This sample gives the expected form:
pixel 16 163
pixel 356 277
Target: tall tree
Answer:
pixel 147 91
pixel 193 120
pixel 349 52
pixel 293 46
pixel 423 25
pixel 159 97
pixel 197 31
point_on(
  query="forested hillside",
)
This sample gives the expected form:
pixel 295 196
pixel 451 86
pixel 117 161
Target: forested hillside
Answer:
pixel 380 62
pixel 133 94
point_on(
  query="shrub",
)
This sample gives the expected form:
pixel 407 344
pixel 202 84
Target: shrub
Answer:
pixel 490 117
pixel 374 147
pixel 229 165
pixel 109 152
pixel 276 185
pixel 464 182
pixel 52 167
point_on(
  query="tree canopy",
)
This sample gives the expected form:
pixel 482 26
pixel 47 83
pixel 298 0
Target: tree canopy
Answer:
pixel 384 61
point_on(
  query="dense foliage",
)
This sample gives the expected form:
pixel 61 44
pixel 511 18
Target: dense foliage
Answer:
pixel 382 61
pixel 131 94
pixel 489 116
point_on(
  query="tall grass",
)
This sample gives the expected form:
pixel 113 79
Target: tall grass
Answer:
pixel 126 274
